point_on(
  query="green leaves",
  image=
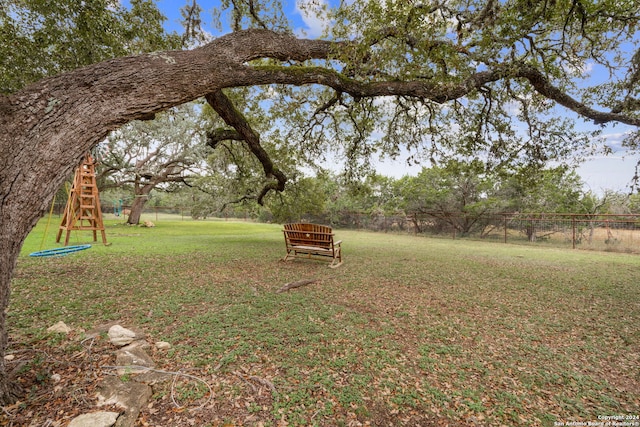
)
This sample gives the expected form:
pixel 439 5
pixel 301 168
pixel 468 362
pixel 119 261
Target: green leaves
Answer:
pixel 159 154
pixel 43 38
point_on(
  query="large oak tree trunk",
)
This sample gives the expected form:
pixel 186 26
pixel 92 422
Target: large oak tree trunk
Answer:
pixel 136 209
pixel 47 128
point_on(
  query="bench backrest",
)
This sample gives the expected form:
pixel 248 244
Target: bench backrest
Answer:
pixel 305 234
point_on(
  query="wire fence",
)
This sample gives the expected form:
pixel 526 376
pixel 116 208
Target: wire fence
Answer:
pixel 159 213
pixel 619 233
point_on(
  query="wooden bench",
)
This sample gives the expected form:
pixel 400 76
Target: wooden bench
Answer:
pixel 312 241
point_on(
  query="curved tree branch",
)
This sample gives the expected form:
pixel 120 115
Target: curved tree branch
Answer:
pixel 58 119
pixel 232 117
pixel 216 136
pixel 544 87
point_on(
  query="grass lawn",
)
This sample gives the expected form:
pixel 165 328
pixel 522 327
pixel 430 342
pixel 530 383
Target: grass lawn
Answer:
pixel 408 331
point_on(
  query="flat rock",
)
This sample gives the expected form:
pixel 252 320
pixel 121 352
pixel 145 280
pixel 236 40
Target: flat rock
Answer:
pixel 100 329
pixel 133 359
pixel 153 378
pixel 129 395
pixel 163 345
pixel 121 336
pixel 60 327
pixel 138 343
pixel 95 419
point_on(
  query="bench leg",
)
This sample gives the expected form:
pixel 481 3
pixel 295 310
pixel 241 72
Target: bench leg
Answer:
pixel 336 260
pixel 337 257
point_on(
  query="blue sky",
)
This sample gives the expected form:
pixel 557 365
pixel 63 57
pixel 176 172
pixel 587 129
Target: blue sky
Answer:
pixel 171 9
pixel 600 173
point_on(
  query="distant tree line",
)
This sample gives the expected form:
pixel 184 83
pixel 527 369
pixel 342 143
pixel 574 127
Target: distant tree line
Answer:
pixel 461 188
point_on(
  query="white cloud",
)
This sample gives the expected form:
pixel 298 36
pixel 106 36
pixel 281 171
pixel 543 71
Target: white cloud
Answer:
pixel 314 17
pixel 608 173
pixel 614 140
pixel 588 67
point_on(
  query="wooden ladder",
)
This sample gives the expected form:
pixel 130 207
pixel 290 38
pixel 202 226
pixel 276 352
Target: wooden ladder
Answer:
pixel 83 206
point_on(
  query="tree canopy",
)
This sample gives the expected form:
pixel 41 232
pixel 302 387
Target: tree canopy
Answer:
pixel 44 38
pixel 148 155
pixel 503 81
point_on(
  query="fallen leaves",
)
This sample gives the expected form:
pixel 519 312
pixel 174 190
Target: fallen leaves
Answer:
pixel 402 339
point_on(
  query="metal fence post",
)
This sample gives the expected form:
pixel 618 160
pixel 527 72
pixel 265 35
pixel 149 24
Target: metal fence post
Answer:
pixel 504 216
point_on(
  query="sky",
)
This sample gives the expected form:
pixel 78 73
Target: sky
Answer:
pixel 600 173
